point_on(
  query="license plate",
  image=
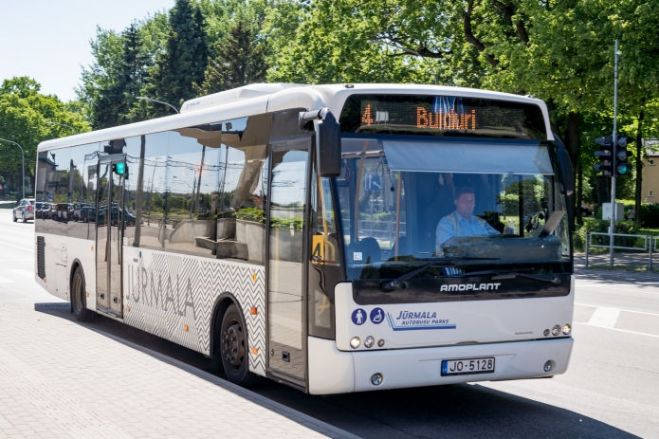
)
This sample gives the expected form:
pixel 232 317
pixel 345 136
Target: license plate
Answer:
pixel 468 366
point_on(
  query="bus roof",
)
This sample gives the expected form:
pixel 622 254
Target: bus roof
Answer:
pixel 260 98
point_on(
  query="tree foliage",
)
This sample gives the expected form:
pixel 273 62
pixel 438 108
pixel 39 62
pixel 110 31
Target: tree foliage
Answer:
pixel 181 67
pixel 559 51
pixel 28 117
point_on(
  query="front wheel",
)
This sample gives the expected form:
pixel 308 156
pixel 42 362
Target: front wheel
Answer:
pixel 14 217
pixel 79 298
pixel 234 350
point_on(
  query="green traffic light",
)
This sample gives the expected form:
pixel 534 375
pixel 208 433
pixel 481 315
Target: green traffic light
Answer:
pixel 120 168
pixel 622 169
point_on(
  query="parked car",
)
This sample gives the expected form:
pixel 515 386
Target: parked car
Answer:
pixel 41 210
pixel 24 210
pixel 87 213
pixel 63 212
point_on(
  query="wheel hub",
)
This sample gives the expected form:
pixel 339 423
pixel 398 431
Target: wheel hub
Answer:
pixel 233 348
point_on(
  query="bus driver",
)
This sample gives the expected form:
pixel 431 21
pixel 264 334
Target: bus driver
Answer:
pixel 462 222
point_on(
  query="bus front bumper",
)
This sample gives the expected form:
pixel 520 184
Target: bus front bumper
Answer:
pixel 334 371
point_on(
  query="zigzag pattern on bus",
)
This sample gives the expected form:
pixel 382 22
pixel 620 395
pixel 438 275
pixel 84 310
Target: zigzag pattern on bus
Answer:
pixel 180 293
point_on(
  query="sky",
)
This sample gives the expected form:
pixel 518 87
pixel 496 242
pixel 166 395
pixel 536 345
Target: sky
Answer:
pixel 49 40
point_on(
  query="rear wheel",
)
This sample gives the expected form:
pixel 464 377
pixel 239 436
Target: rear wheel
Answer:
pixel 79 297
pixel 234 350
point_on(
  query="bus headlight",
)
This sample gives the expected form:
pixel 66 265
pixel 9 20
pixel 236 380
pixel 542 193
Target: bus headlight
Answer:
pixel 566 329
pixel 556 330
pixel 355 342
pixel 369 342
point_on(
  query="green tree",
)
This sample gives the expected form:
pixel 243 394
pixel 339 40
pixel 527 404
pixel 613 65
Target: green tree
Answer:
pixel 28 117
pixel 237 59
pixel 97 89
pixel 181 67
pixel 330 42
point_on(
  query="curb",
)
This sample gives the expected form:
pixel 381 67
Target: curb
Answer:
pixel 276 407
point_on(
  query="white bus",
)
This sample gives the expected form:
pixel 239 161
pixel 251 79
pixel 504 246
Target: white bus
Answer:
pixel 304 233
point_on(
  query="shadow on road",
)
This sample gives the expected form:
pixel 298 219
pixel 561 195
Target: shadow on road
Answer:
pixel 441 411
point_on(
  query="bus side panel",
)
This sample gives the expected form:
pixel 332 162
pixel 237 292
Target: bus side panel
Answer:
pixel 172 295
pixel 60 252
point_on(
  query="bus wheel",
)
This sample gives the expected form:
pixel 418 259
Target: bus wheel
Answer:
pixel 234 353
pixel 79 299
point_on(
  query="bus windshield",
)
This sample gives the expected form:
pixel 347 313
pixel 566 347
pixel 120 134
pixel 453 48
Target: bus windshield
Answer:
pixel 406 201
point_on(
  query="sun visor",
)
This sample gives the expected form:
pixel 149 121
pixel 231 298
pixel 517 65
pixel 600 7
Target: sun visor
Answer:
pixel 467 157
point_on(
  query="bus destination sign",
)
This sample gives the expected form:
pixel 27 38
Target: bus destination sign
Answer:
pixel 443 116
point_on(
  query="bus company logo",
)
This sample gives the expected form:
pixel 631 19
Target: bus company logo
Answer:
pixel 452 288
pixel 418 320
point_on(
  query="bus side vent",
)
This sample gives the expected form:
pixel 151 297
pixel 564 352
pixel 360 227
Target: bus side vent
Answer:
pixel 41 257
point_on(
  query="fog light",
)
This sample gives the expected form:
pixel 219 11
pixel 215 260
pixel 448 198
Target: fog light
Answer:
pixel 546 332
pixel 355 342
pixel 566 329
pixel 380 343
pixel 376 379
pixel 369 342
pixel 549 365
pixel 556 330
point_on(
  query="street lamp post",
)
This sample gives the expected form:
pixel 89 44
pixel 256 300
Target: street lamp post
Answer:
pixel 144 98
pixel 22 162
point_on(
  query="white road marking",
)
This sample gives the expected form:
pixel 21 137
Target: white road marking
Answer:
pixel 626 331
pixel 589 305
pixel 604 317
pixel 5 280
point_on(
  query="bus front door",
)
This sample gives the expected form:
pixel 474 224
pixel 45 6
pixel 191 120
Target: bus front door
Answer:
pixel 286 264
pixel 109 237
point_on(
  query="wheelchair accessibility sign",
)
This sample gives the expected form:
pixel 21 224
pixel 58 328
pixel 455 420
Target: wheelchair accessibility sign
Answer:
pixel 377 316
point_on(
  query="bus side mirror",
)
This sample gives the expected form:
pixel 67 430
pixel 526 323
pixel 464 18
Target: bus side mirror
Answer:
pixel 328 141
pixel 565 167
pixel 328 146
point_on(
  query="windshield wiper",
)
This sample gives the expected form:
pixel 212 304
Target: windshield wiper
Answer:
pixel 497 275
pixel 448 262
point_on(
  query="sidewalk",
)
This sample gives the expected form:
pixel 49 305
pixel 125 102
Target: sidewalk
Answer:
pixel 632 267
pixel 61 379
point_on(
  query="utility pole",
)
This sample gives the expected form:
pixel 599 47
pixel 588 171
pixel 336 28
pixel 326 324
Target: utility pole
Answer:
pixel 614 138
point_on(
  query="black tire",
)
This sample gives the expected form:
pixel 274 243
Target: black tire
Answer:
pixel 79 298
pixel 233 347
pixel 14 217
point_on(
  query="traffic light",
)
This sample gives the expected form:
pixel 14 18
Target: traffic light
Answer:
pixel 604 155
pixel 120 168
pixel 622 167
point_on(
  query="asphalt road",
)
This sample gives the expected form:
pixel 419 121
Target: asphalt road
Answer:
pixel 610 390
